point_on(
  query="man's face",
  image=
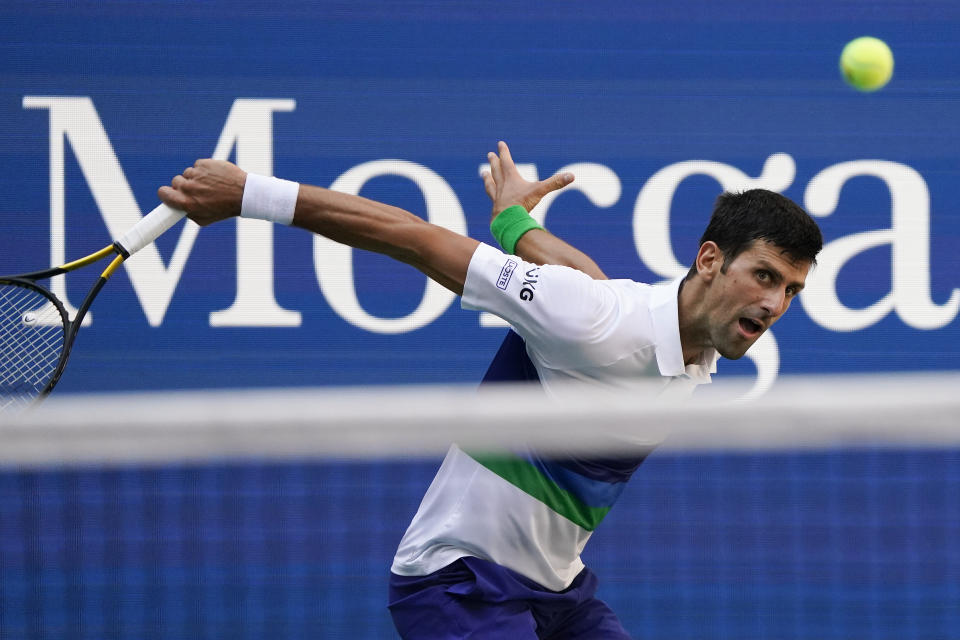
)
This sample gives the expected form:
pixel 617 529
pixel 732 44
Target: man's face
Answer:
pixel 756 289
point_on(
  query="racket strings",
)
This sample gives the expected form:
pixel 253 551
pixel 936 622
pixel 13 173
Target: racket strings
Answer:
pixel 31 342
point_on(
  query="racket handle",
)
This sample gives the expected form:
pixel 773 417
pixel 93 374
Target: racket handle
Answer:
pixel 149 228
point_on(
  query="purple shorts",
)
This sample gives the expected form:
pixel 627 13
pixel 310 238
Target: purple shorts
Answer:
pixel 478 599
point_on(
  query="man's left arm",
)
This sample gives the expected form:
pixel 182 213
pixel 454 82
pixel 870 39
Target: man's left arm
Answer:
pixel 507 188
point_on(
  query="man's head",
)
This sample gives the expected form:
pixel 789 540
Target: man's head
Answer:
pixel 739 219
pixel 753 260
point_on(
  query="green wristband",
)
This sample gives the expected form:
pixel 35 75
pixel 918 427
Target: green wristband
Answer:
pixel 510 225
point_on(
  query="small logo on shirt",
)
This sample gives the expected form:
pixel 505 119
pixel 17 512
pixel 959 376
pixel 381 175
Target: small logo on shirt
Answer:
pixel 530 284
pixel 505 274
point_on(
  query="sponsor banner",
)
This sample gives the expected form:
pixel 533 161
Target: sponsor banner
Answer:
pixel 654 112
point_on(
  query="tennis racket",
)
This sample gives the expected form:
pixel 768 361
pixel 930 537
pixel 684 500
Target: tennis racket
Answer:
pixel 36 334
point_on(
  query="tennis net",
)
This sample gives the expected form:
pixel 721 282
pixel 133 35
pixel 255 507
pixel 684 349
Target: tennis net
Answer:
pixel 828 508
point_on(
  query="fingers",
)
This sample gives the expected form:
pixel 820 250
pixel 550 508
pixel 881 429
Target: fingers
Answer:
pixel 189 177
pixel 174 195
pixel 173 198
pixel 506 160
pixel 559 181
pixel 495 167
pixel 489 185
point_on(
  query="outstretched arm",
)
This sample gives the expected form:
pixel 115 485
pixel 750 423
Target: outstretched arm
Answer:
pixel 506 188
pixel 212 190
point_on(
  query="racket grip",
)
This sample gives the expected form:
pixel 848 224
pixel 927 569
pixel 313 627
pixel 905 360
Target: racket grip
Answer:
pixel 149 228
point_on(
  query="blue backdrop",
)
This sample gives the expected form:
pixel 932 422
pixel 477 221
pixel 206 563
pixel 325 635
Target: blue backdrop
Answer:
pixel 102 100
pixel 656 106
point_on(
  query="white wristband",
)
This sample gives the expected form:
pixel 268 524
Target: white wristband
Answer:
pixel 267 198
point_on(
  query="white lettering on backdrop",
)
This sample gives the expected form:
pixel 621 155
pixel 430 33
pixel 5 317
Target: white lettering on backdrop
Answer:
pixel 248 127
pixel 909 240
pixel 249 130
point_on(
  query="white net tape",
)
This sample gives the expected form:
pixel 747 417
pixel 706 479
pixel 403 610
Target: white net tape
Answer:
pixel 920 410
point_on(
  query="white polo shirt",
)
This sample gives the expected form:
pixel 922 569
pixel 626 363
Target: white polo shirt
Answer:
pixel 532 517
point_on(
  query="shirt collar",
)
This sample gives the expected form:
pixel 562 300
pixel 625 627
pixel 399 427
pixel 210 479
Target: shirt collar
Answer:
pixel 664 300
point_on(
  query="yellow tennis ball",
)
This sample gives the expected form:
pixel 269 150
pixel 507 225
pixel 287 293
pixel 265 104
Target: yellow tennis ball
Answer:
pixel 866 63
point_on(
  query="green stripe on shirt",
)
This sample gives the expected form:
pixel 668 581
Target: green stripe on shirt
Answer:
pixel 526 477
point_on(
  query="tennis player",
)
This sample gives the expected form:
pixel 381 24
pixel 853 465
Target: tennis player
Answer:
pixel 494 549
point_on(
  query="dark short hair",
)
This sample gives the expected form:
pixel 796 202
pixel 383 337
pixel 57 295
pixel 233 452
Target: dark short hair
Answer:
pixel 739 219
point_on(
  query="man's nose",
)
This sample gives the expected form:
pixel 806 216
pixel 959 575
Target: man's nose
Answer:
pixel 775 303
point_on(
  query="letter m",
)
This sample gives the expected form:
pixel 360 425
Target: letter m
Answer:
pixel 74 119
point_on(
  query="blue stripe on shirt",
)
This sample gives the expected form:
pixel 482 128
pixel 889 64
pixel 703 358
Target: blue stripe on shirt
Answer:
pixel 597 482
pixel 591 492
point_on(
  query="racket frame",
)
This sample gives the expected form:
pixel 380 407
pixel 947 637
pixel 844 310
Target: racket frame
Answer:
pixel 140 235
pixel 70 327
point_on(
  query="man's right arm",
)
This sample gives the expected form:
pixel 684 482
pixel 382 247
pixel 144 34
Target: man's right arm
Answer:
pixel 555 308
pixel 441 254
pixel 214 190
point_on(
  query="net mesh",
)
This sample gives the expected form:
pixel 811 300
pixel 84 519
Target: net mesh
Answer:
pixel 31 342
pixel 812 517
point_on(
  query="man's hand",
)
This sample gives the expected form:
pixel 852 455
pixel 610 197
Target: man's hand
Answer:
pixel 507 188
pixel 209 191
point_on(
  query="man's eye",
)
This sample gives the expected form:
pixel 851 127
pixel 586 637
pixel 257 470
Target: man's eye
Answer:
pixel 763 275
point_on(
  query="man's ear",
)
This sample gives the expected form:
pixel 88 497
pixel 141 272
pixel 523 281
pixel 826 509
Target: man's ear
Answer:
pixel 709 260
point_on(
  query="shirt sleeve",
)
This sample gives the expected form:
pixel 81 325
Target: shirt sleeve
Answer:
pixel 566 317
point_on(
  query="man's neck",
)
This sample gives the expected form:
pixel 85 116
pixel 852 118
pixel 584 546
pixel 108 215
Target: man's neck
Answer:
pixel 693 338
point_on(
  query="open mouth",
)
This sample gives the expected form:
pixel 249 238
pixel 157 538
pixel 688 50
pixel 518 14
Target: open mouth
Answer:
pixel 750 328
